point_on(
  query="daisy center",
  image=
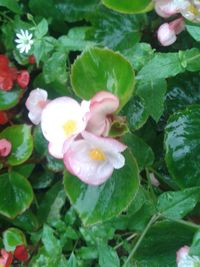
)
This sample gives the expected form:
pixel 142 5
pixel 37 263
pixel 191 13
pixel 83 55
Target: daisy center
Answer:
pixel 97 154
pixel 70 127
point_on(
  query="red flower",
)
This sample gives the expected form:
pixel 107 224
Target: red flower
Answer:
pixel 23 79
pixel 6 259
pixel 31 59
pixel 7 74
pixel 3 118
pixel 21 253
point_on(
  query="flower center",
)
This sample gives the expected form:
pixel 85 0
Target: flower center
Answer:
pixel 70 127
pixel 193 10
pixel 97 154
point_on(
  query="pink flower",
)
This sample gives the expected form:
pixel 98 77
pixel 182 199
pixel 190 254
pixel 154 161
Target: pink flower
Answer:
pixel 168 31
pixel 6 259
pixel 62 119
pixel 102 105
pixel 183 258
pixel 5 147
pixel 35 103
pixel 93 158
pixel 166 8
pixel 182 253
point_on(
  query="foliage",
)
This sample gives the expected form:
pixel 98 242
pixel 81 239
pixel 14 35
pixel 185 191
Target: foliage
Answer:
pixel 148 209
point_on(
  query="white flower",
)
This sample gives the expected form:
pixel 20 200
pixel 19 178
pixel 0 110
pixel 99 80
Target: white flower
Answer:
pixel 24 41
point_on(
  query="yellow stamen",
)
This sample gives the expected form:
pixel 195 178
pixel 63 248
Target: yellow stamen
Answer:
pixel 193 9
pixel 97 154
pixel 70 127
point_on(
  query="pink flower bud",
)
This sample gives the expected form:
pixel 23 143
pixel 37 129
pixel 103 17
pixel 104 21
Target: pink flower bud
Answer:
pixel 102 105
pixel 166 8
pixel 168 31
pixel 5 148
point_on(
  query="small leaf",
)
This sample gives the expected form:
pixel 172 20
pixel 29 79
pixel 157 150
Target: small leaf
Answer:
pixel 16 194
pixel 9 99
pixel 12 238
pixel 51 244
pixel 102 69
pixel 193 29
pixel 175 205
pixel 195 247
pixel 107 256
pixel 41 29
pixel 22 143
pixel 12 5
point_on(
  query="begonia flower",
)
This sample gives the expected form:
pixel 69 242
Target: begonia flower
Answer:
pixel 24 40
pixel 102 105
pixel 93 158
pixel 190 9
pixel 3 117
pixel 61 119
pixel 166 8
pixel 35 103
pixel 21 253
pixel 183 258
pixel 6 258
pixel 167 32
pixel 5 147
pixel 23 79
pixel 7 74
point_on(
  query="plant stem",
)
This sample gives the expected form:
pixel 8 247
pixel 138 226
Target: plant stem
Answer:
pixel 152 220
pixel 127 239
pixel 150 186
pixel 191 224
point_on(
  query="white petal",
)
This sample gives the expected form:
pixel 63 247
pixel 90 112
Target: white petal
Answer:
pixel 117 160
pixel 55 149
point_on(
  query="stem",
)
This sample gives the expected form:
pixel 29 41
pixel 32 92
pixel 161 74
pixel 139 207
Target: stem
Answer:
pixel 152 220
pixel 127 239
pixel 190 224
pixel 150 186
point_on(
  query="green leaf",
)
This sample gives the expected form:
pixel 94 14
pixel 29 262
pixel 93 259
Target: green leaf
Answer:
pixel 122 32
pixel 12 5
pixel 135 113
pixel 158 248
pixel 25 169
pixel 107 256
pixel 102 69
pixel 138 55
pixel 72 262
pixel 141 151
pixel 193 29
pixel 127 6
pixel 168 64
pixel 99 203
pixel 54 68
pixel 190 59
pixel 22 143
pixel 178 96
pixel 75 39
pixel 26 221
pixel 182 146
pixel 16 194
pixel 41 29
pixel 9 99
pixel 153 94
pixel 51 203
pixel 175 205
pixel 51 244
pixel 12 238
pixel 195 247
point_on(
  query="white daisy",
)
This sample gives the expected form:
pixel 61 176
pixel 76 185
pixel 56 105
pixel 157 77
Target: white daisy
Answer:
pixel 24 41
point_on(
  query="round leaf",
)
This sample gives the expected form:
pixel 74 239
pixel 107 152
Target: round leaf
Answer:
pixel 22 143
pixel 99 203
pixel 9 99
pixel 130 7
pixel 102 69
pixel 12 238
pixel 182 144
pixel 16 194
